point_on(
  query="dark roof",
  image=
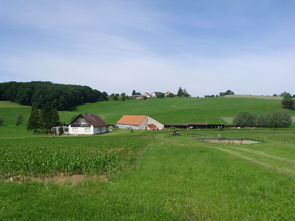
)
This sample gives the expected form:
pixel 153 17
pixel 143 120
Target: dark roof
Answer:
pixel 196 124
pixel 93 119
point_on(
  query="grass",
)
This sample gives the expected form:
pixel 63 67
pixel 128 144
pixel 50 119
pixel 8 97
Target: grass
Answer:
pixel 175 178
pixel 152 175
pixel 71 155
pixel 178 110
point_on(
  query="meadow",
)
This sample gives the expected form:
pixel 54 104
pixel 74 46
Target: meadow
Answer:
pixel 178 110
pixel 149 175
pixel 169 178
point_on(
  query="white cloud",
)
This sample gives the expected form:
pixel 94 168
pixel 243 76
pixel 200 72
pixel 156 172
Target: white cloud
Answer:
pixel 104 44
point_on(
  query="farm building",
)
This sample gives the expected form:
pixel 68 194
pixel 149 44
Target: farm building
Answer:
pixel 139 122
pixel 87 124
pixel 196 126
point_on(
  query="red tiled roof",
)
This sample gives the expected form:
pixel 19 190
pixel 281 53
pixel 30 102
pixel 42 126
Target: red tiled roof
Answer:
pixel 131 119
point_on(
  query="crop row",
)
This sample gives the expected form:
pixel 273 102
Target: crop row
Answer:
pixel 47 156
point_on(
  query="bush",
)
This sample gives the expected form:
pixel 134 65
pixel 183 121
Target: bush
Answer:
pixel 19 119
pixel 1 121
pixel 264 120
pixel 271 120
pixel 281 120
pixel 245 119
pixel 61 130
pixel 288 101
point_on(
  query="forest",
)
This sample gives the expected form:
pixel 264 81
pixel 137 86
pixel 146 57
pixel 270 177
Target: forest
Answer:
pixel 61 96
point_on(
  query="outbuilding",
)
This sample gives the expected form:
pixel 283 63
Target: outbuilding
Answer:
pixel 87 124
pixel 139 122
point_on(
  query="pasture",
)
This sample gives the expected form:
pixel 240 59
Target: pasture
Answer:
pixel 155 176
pixel 178 110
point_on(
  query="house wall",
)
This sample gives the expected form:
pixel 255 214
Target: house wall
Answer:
pixel 100 130
pixel 157 123
pixel 81 130
pixel 127 126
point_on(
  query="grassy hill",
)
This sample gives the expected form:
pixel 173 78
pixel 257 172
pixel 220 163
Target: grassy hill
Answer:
pixel 169 110
pixel 178 110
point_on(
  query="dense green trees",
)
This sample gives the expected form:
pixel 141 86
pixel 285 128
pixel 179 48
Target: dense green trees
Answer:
pixel 270 120
pixel 43 119
pixel 61 96
pixel 245 119
pixel 228 92
pixel 182 93
pixel 288 101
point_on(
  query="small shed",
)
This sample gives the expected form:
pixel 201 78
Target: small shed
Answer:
pixel 139 122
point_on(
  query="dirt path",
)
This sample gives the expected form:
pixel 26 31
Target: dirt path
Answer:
pixel 257 162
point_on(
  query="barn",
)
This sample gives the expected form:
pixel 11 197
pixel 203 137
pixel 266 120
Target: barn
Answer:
pixel 139 122
pixel 87 124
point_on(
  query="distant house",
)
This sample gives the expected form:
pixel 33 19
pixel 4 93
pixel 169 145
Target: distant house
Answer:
pixel 86 124
pixel 139 122
pixel 169 94
pixel 147 95
pixel 137 97
pixel 154 94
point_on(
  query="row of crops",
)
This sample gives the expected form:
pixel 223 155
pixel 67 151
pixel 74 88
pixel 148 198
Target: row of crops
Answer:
pixel 70 155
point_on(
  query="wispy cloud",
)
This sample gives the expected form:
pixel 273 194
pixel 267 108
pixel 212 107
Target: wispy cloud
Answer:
pixel 123 45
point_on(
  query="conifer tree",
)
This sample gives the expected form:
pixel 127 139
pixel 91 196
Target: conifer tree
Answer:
pixel 34 120
pixel 49 116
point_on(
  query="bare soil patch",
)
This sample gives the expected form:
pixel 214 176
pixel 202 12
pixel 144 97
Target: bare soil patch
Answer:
pixel 230 141
pixel 61 179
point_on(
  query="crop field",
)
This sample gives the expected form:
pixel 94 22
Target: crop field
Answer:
pixel 43 156
pixel 151 176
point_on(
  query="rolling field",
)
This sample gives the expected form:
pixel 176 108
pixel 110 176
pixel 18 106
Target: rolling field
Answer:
pixel 149 175
pixel 169 178
pixel 178 110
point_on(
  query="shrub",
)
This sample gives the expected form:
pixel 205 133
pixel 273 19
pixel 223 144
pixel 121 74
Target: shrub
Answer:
pixel 271 120
pixel 245 119
pixel 288 102
pixel 19 119
pixel 280 119
pixel 60 130
pixel 264 120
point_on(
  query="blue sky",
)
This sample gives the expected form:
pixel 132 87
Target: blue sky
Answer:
pixel 151 45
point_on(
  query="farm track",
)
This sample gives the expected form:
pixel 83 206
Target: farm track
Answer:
pixel 257 162
pixel 260 153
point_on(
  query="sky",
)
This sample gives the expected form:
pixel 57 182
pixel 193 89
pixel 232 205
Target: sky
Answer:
pixel 247 46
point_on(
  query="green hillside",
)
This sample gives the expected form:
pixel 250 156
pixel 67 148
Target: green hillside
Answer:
pixel 178 110
pixel 169 110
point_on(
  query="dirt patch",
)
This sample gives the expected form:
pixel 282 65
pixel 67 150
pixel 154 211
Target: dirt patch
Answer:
pixel 230 141
pixel 61 179
pixel 117 149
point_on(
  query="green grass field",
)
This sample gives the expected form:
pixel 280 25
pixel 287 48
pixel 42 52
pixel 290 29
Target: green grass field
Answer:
pixel 170 178
pixel 178 110
pixel 149 175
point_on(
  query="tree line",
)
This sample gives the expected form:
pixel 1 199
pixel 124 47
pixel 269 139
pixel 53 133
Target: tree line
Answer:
pixel 281 119
pixel 61 96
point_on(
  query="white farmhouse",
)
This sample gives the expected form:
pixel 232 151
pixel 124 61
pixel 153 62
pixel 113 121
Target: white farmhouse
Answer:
pixel 87 124
pixel 139 122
